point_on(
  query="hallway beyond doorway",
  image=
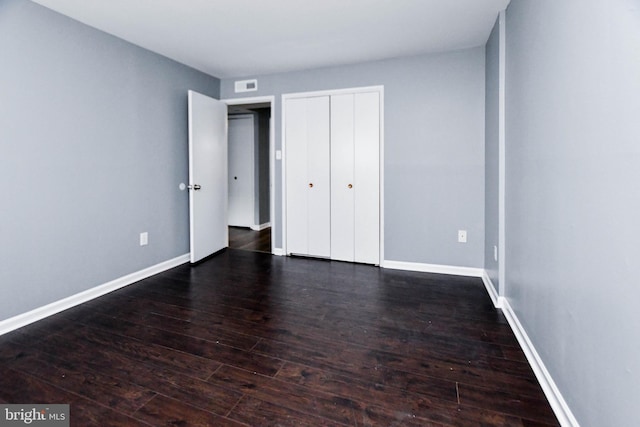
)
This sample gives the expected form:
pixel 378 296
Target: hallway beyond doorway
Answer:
pixel 250 240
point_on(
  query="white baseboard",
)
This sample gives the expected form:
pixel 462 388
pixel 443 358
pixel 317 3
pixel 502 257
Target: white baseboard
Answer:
pixel 433 268
pixel 557 402
pixel 278 251
pixel 260 227
pixel 491 290
pixel 39 313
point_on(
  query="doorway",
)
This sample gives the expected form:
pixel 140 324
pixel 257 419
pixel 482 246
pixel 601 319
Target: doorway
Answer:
pixel 250 139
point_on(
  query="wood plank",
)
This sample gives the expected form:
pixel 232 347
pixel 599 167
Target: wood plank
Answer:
pixel 351 360
pixel 163 411
pixel 255 412
pixel 23 388
pixel 506 402
pixel 160 378
pixel 212 350
pixel 297 398
pixel 76 378
pixel 250 240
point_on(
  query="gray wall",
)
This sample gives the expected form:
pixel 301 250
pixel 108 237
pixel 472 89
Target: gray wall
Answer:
pixel 573 197
pixel 491 146
pixel 434 149
pixel 93 143
pixel 262 175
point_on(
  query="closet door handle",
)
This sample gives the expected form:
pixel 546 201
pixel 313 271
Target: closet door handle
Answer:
pixel 311 185
pixel 350 185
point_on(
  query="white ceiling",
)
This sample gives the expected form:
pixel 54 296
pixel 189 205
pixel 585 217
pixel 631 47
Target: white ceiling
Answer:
pixel 235 38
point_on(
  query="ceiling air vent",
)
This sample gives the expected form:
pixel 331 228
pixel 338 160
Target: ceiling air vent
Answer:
pixel 246 85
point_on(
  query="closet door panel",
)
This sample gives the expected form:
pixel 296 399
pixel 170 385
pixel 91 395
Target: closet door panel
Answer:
pixel 367 177
pixel 342 178
pixel 319 177
pixel 296 175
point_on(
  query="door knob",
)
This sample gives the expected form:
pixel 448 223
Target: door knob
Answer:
pixel 194 187
pixel 350 185
pixel 311 185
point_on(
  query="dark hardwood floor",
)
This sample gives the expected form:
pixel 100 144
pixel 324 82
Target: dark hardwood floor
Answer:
pixel 250 240
pixel 247 338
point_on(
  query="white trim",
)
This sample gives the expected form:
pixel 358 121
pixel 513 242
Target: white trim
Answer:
pixel 381 175
pixel 283 176
pixel 551 391
pixel 250 100
pixel 278 251
pixel 271 99
pixel 491 290
pixel 39 313
pixel 272 175
pixel 260 227
pixel 557 402
pixel 502 285
pixel 330 92
pixel 433 268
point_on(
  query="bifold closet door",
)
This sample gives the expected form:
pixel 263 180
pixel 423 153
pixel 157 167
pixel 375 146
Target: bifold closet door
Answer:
pixel 355 177
pixel 308 204
pixel 342 178
pixel 367 177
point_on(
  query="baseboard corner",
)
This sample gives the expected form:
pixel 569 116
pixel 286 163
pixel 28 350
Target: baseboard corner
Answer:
pixel 491 290
pixel 260 227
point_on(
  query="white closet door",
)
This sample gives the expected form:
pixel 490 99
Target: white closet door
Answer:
pixel 333 176
pixel 308 176
pixel 367 177
pixel 241 170
pixel 342 178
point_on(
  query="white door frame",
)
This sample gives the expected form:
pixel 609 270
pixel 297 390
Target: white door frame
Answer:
pixel 272 155
pixel 285 97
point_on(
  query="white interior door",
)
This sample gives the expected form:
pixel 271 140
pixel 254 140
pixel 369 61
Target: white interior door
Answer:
pixel 207 176
pixel 241 171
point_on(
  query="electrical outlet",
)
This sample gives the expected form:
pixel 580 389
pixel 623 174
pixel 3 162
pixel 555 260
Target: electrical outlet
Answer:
pixel 144 239
pixel 495 253
pixel 462 236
